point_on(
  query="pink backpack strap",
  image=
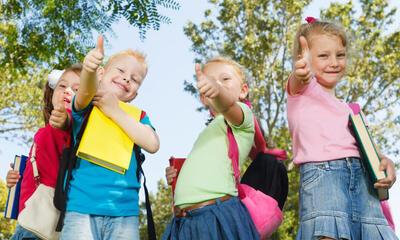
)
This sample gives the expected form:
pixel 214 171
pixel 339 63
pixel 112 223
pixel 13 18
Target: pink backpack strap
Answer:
pixel 355 107
pixel 387 213
pixel 259 142
pixel 233 153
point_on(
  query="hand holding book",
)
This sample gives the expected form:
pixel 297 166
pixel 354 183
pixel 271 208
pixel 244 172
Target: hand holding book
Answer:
pixel 388 166
pixel 12 177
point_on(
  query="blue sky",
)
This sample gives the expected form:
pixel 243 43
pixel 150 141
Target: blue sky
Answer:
pixel 171 110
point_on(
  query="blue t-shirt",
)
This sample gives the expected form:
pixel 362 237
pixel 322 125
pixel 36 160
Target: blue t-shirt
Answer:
pixel 100 191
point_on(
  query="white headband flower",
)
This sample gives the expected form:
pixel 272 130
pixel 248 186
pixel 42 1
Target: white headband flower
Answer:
pixel 54 76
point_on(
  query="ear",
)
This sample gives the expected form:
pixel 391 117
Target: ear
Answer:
pixel 244 91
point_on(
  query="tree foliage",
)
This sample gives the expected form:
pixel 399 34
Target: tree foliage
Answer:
pixel 38 35
pixel 161 205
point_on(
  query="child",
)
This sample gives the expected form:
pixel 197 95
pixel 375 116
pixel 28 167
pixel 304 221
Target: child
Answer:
pixel 206 202
pixel 336 200
pixel 103 204
pixel 49 141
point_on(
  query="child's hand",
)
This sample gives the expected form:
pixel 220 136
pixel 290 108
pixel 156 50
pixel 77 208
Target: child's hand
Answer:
pixel 388 165
pixel 12 177
pixel 208 87
pixel 303 65
pixel 59 117
pixel 95 57
pixel 107 102
pixel 170 174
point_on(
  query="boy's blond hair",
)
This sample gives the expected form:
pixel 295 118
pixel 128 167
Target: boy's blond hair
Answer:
pixel 140 57
pixel 236 66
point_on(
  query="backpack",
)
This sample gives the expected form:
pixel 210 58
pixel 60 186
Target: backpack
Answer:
pixel 67 164
pixel 267 173
pixel 264 183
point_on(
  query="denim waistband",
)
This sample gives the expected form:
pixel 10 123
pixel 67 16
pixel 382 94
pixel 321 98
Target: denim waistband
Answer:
pixel 346 162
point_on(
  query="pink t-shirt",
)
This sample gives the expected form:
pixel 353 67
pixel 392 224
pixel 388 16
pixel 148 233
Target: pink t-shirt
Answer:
pixel 318 125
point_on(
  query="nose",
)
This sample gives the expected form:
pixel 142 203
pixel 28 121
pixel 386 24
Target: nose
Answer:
pixel 334 62
pixel 126 80
pixel 68 91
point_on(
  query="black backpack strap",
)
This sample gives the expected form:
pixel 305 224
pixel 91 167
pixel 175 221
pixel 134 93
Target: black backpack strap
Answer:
pixel 71 165
pixel 151 231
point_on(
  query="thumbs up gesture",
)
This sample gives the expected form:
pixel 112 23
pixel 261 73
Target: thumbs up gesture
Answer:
pixel 303 64
pixel 95 57
pixel 59 115
pixel 207 86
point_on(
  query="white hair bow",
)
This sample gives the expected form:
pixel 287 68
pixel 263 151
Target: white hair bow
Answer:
pixel 54 76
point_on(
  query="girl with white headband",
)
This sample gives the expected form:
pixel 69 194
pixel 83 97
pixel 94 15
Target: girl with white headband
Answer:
pixel 50 140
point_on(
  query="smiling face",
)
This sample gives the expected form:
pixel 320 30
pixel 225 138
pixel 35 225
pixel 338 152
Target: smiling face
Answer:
pixel 328 59
pixel 229 77
pixel 122 77
pixel 65 89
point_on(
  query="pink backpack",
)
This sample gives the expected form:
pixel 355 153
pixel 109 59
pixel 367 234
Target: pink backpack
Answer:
pixel 355 107
pixel 263 209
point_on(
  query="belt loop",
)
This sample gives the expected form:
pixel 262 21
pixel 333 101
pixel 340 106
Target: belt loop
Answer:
pixel 327 165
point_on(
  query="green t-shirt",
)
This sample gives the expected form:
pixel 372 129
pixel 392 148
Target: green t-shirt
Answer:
pixel 207 172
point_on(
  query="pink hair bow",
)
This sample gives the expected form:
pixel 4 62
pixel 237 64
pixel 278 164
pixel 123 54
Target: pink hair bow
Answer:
pixel 310 19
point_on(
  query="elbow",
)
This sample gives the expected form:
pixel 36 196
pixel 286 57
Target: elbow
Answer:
pixel 155 146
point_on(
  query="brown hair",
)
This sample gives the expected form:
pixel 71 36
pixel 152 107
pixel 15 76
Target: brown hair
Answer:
pixel 307 30
pixel 140 57
pixel 48 93
pixel 236 66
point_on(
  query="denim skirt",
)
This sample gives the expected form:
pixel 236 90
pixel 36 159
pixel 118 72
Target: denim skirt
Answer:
pixel 337 200
pixel 223 220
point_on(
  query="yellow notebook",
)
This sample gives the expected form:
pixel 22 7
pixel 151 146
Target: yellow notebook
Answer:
pixel 104 143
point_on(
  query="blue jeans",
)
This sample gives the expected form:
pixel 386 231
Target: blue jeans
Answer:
pixel 337 200
pixel 78 226
pixel 228 220
pixel 21 233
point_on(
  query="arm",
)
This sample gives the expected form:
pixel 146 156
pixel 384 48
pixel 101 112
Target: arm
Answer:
pixel 88 84
pixel 302 74
pixel 225 104
pixel 141 134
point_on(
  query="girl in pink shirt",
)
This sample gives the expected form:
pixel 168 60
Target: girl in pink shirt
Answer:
pixel 50 140
pixel 337 200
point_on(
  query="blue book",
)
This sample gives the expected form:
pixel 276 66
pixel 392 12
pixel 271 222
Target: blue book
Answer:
pixel 12 204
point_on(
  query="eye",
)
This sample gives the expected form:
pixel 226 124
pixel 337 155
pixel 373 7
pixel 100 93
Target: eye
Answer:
pixel 120 70
pixel 341 55
pixel 226 78
pixel 323 55
pixel 62 86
